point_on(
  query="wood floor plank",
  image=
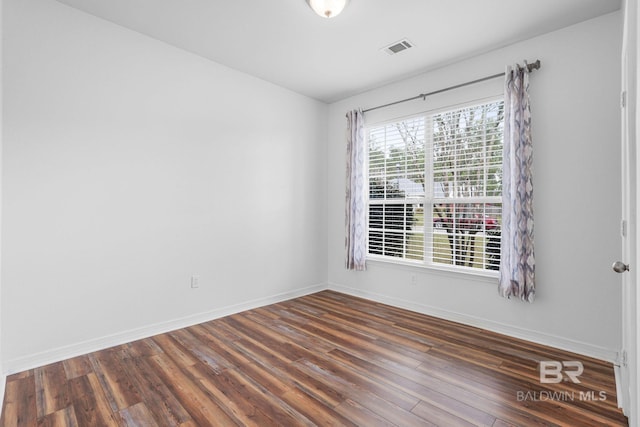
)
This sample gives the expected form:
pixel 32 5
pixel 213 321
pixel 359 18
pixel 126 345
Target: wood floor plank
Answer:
pixel 137 415
pixel 20 402
pixel 108 368
pixel 174 350
pixel 158 399
pixel 52 389
pixel 314 410
pixel 272 406
pixel 269 356
pixel 267 377
pixel 309 341
pixel 233 401
pixel 62 418
pixel 365 398
pixel 363 416
pixel 223 347
pixel 264 337
pixel 380 330
pixel 90 403
pixel 19 375
pixel 350 341
pixel 190 395
pixel 441 417
pixel 219 329
pixel 319 360
pixel 143 348
pixel 362 381
pixel 311 385
pixel 77 367
pixel 200 351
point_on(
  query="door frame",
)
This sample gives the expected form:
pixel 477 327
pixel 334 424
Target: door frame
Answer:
pixel 628 361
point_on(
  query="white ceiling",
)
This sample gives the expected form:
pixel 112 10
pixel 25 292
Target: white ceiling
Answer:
pixel 284 42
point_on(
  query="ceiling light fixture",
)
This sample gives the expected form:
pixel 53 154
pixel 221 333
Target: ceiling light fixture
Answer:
pixel 327 8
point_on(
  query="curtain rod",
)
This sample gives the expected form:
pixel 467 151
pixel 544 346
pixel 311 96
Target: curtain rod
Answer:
pixel 530 67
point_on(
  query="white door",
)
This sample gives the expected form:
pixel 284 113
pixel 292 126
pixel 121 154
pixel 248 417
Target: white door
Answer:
pixel 628 265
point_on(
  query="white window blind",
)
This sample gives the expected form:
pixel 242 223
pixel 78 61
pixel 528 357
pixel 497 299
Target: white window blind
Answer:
pixel 435 185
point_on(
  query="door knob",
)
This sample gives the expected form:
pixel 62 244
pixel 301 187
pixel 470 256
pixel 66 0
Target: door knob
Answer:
pixel 620 267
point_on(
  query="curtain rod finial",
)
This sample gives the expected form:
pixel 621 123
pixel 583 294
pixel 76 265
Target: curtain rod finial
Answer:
pixel 534 66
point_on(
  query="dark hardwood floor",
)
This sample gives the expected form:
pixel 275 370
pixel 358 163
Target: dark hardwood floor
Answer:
pixel 323 359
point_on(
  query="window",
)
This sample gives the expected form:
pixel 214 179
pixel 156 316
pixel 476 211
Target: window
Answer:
pixel 435 185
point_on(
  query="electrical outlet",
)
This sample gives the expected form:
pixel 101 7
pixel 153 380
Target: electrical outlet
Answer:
pixel 414 279
pixel 195 281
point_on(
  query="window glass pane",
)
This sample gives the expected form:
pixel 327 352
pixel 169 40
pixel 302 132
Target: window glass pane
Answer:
pixel 467 234
pixel 397 230
pixel 396 160
pixel 467 152
pixel 464 172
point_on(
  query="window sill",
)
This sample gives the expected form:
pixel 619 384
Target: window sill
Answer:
pixel 488 276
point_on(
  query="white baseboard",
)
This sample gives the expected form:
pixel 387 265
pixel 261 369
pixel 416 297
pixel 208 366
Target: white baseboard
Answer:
pixel 563 343
pixel 617 374
pixel 61 353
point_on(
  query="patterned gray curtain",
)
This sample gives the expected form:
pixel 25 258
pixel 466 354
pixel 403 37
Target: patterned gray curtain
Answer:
pixel 517 263
pixel 355 216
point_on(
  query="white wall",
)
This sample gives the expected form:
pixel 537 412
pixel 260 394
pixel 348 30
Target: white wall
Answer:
pixel 576 131
pixel 130 165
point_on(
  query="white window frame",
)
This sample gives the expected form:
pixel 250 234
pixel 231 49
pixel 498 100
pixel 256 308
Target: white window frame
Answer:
pixel 429 200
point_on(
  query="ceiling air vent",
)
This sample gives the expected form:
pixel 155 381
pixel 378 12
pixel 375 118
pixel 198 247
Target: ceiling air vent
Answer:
pixel 398 47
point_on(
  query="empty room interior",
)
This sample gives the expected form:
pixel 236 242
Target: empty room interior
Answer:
pixel 352 213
